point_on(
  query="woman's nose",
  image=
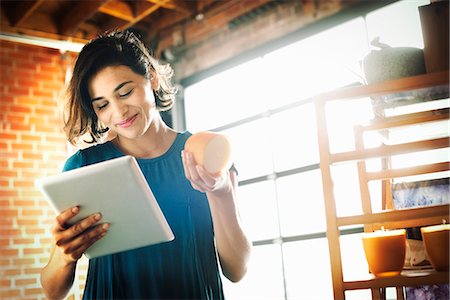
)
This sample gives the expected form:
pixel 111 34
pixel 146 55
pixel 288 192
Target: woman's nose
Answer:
pixel 120 108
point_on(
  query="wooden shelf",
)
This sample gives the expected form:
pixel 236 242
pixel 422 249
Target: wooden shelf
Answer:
pixel 429 86
pixel 387 87
pixel 403 172
pixel 405 215
pixel 406 278
pixel 388 150
pixel 408 119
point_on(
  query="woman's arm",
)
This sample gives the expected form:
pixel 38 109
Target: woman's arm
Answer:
pixel 232 244
pixel 69 245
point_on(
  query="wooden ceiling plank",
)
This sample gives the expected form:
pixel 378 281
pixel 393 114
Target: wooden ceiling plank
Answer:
pixel 22 10
pixel 186 7
pixel 141 15
pixel 118 9
pixel 82 11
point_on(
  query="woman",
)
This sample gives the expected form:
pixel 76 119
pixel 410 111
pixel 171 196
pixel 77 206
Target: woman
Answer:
pixel 118 88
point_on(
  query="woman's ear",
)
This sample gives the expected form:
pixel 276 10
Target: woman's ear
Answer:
pixel 154 81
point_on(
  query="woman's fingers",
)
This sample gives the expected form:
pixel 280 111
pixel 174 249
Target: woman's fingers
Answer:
pixel 77 229
pixel 200 179
pixel 76 247
pixel 75 239
pixel 185 164
pixel 64 217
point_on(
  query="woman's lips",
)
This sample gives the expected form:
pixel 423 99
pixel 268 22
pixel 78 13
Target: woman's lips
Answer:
pixel 128 122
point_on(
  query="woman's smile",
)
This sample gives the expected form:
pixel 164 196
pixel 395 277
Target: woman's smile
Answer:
pixel 128 122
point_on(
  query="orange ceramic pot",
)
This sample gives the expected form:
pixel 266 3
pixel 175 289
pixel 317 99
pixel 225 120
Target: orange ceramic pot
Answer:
pixel 211 150
pixel 385 251
pixel 436 239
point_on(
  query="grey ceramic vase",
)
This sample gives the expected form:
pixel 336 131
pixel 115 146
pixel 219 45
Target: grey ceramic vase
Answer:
pixel 393 63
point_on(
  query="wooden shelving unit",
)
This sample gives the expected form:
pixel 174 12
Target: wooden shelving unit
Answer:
pixel 389 218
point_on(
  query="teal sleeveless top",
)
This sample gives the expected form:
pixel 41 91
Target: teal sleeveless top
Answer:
pixel 185 268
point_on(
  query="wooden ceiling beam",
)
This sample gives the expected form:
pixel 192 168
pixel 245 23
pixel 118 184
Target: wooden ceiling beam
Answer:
pixel 218 18
pixel 118 9
pixel 185 7
pixel 143 12
pixel 81 11
pixel 20 10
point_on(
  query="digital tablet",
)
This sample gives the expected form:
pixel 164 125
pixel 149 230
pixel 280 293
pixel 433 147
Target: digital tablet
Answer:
pixel 118 190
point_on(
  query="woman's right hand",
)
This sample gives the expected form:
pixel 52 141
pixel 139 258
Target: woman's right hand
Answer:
pixel 73 240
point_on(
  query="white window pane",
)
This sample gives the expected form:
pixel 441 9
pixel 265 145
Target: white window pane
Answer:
pixel 360 295
pixel 354 263
pixel 397 24
pixel 317 64
pixel 346 189
pixel 301 204
pixel 307 269
pixel 264 278
pixel 252 149
pixel 294 138
pixel 258 210
pixel 342 116
pixel 226 97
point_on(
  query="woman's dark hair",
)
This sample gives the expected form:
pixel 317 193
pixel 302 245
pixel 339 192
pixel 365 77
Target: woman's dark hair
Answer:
pixel 111 49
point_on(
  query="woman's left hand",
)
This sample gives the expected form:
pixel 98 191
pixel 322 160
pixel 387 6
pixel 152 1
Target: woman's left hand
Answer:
pixel 202 180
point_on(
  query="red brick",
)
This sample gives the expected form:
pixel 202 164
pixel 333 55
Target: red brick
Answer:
pixel 7 99
pixel 41 93
pixel 46 77
pixel 29 137
pixel 35 231
pixel 21 64
pixel 23 165
pixel 20 109
pixel 9 252
pixel 4 147
pixel 11 272
pixel 9 193
pixel 23 261
pixel 6 222
pixel 29 281
pixel 31 212
pixel 32 156
pixel 15 118
pixel 3 183
pixel 24 202
pixel 10 212
pixel 8 173
pixel 20 57
pixel 22 241
pixel 27 251
pixel 10 293
pixel 33 271
pixel 27 222
pixel 21 146
pixel 5 282
pixel 29 101
pixel 35 291
pixel 18 91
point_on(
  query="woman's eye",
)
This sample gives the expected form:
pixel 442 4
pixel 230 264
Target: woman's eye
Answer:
pixel 102 106
pixel 126 94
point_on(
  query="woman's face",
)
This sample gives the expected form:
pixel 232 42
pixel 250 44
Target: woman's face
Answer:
pixel 123 101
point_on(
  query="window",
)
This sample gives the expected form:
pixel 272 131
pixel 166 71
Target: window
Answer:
pixel 265 107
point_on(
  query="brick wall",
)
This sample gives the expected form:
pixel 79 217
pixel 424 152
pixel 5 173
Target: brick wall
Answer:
pixel 32 145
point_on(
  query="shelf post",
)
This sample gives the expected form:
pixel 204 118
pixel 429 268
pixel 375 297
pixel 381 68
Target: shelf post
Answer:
pixel 334 247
